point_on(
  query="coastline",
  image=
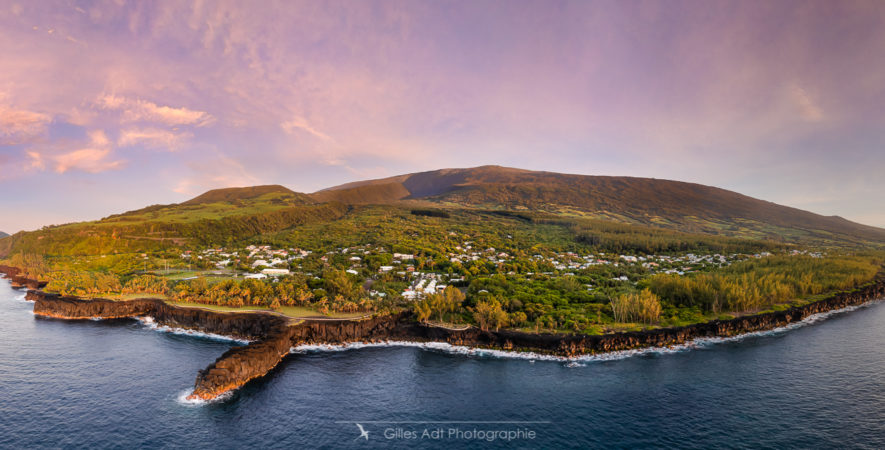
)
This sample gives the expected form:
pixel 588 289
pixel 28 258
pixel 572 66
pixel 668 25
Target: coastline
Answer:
pixel 272 337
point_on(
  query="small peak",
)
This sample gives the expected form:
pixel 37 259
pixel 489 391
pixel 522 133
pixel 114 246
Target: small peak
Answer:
pixel 237 193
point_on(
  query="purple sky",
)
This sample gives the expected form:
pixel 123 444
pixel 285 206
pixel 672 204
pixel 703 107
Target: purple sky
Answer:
pixel 112 106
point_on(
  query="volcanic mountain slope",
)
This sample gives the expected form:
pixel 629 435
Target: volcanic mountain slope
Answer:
pixel 3 235
pixel 232 215
pixel 664 203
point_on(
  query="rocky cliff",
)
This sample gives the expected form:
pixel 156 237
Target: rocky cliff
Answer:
pixel 18 280
pixel 274 335
pixel 245 325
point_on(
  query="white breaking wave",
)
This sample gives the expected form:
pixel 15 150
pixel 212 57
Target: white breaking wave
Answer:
pixel 182 398
pixel 432 346
pixel 576 361
pixel 152 324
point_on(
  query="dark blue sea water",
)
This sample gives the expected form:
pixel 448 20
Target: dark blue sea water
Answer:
pixel 117 384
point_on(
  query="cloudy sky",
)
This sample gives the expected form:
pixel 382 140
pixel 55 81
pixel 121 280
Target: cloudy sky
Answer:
pixel 107 106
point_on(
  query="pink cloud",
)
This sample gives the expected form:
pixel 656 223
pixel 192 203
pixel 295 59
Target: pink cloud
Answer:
pixel 809 110
pixel 92 160
pixel 35 161
pixel 153 138
pixel 94 156
pixel 299 123
pixel 138 110
pixel 18 126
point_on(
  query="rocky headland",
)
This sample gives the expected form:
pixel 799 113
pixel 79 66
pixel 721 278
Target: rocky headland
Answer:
pixel 14 274
pixel 272 336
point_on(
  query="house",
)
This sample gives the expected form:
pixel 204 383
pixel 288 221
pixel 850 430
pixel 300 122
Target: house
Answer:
pixel 275 272
pixel 256 276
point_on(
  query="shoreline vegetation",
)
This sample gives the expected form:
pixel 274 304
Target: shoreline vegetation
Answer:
pixel 539 303
pixel 273 336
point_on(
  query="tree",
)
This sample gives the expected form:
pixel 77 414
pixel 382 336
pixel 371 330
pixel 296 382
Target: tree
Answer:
pixel 338 282
pixel 453 298
pixel 643 307
pixel 490 314
pixel 423 310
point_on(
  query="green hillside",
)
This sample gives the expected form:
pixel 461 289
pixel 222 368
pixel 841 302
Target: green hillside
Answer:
pixel 580 206
pixel 215 218
pixel 661 203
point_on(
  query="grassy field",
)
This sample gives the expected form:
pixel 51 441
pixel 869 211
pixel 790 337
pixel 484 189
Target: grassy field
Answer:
pixel 180 274
pixel 296 312
pixel 135 296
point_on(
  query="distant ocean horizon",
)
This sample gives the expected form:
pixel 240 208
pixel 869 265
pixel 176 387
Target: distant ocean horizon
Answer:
pixel 123 383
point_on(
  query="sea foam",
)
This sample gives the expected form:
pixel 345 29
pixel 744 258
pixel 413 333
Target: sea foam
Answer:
pixel 182 399
pixel 152 324
pixel 577 361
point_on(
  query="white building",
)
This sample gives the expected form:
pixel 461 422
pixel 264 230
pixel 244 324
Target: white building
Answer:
pixel 256 276
pixel 275 272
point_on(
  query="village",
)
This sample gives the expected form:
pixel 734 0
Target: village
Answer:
pixel 423 275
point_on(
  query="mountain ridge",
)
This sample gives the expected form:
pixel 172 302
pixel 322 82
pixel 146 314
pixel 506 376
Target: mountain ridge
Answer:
pixel 239 193
pixel 649 201
pixel 260 212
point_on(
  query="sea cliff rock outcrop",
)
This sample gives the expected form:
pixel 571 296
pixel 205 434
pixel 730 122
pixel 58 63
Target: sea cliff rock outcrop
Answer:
pixel 273 335
pixel 18 280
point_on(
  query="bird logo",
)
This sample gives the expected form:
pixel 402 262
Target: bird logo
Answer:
pixel 363 433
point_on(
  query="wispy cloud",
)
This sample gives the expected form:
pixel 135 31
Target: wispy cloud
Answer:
pixel 92 160
pixel 94 156
pixel 20 126
pixel 138 110
pixel 153 138
pixel 300 124
pixel 809 110
pixel 35 161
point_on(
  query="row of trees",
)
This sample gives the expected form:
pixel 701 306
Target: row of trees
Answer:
pixel 336 292
pixel 448 306
pixel 146 284
pixel 643 306
pixel 756 284
pixel 441 305
pixel 84 283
